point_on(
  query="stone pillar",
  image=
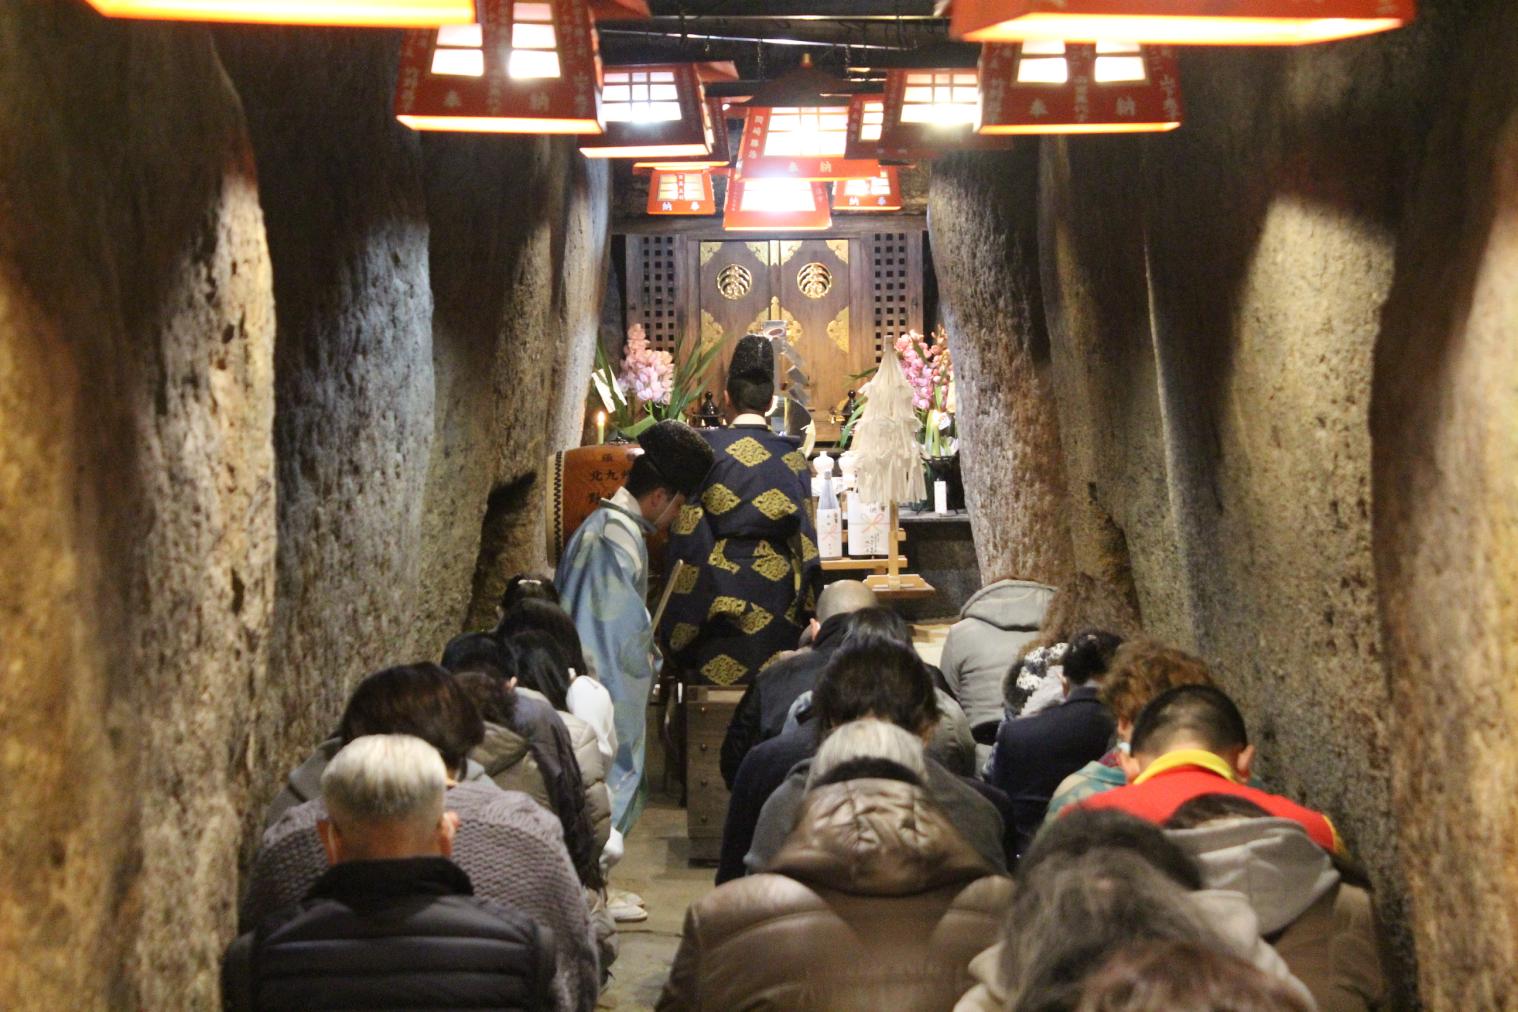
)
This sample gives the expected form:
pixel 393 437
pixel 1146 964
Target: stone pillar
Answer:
pixel 982 214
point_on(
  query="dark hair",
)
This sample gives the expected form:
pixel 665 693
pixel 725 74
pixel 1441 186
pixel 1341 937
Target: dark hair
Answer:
pixel 476 651
pixel 416 699
pixel 546 617
pixel 496 702
pixel 1200 712
pixel 1089 654
pixel 1177 976
pixel 1072 912
pixel 866 768
pixel 528 587
pixel 1141 670
pixel 750 394
pixel 875 678
pixel 541 666
pixel 1082 831
pixel 876 625
pixel 645 478
pixel 1205 808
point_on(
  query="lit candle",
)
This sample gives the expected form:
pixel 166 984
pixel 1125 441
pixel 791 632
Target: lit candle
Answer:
pixel 600 426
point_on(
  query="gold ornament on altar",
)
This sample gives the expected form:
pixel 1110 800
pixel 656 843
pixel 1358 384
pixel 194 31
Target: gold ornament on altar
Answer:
pixel 814 280
pixel 734 281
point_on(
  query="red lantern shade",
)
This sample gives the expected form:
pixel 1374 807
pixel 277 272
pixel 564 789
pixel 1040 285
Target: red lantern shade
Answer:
pixel 721 151
pixel 1059 88
pixel 931 111
pixel 620 10
pixel 768 204
pixel 1178 22
pixel 796 127
pixel 681 192
pixel 523 68
pixel 651 111
pixel 881 192
pixel 866 133
pixel 347 13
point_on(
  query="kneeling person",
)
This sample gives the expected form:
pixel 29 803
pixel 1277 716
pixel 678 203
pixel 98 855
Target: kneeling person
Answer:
pixel 393 922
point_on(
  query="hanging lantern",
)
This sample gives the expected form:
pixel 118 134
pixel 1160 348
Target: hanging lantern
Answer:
pixel 522 68
pixel 1072 88
pixel 796 127
pixel 880 192
pixel 651 111
pixel 344 13
pixel 768 204
pixel 866 130
pixel 1177 22
pixel 932 111
pixel 721 151
pixel 678 191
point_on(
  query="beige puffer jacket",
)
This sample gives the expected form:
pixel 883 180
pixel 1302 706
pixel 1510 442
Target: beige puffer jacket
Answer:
pixel 874 902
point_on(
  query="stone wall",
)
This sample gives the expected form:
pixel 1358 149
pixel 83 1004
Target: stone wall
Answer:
pixel 267 362
pixel 1330 228
pixel 137 508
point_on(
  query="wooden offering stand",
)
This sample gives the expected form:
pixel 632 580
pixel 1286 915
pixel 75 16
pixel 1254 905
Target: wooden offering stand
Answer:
pixel 885 576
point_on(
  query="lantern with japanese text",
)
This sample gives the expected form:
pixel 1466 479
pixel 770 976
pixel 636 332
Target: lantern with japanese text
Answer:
pixel 1069 88
pixel 681 191
pixel 866 125
pixel 651 111
pixel 344 13
pixel 721 151
pixel 796 127
pixel 522 68
pixel 931 111
pixel 880 192
pixel 1177 22
pixel 757 204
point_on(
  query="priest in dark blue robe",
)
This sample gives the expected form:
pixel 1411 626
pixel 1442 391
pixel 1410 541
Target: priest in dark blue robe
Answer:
pixel 748 539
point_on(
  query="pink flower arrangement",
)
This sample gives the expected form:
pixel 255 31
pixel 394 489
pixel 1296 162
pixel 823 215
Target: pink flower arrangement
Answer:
pixel 647 375
pixel 928 369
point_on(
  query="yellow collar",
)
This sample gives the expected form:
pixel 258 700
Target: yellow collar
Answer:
pixel 1189 757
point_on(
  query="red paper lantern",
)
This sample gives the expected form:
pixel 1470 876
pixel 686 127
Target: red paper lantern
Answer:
pixel 1060 88
pixel 866 133
pixel 680 191
pixel 1178 22
pixel 720 154
pixel 522 68
pixel 651 111
pixel 620 10
pixel 797 127
pixel 769 204
pixel 348 13
pixel 880 192
pixel 933 110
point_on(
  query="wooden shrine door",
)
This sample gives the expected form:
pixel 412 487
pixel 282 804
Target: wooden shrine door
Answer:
pixel 844 297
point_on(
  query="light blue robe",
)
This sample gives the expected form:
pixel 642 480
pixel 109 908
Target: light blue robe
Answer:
pixel 605 591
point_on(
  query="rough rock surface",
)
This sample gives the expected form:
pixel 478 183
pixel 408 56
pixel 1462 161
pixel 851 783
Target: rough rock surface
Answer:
pixel 1445 426
pixel 981 225
pixel 136 507
pixel 341 187
pixel 1333 226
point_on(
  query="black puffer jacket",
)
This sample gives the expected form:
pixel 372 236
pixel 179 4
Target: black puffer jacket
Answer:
pixel 392 934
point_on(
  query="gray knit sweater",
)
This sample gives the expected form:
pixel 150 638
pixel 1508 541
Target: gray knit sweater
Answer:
pixel 511 849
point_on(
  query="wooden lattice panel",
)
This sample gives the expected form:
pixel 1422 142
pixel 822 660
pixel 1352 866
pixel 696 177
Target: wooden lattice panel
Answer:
pixel 652 293
pixel 895 261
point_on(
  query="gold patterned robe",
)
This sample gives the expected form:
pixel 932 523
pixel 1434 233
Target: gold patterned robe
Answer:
pixel 751 547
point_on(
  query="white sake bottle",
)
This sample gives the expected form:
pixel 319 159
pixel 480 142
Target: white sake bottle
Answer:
pixel 829 516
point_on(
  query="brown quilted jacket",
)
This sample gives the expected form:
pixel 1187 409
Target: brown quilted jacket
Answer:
pixel 874 902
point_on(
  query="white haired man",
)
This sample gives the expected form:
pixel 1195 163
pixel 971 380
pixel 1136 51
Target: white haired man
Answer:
pixel 393 923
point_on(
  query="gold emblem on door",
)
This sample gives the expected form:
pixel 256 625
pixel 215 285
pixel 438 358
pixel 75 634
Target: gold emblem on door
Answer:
pixel 814 280
pixel 734 281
